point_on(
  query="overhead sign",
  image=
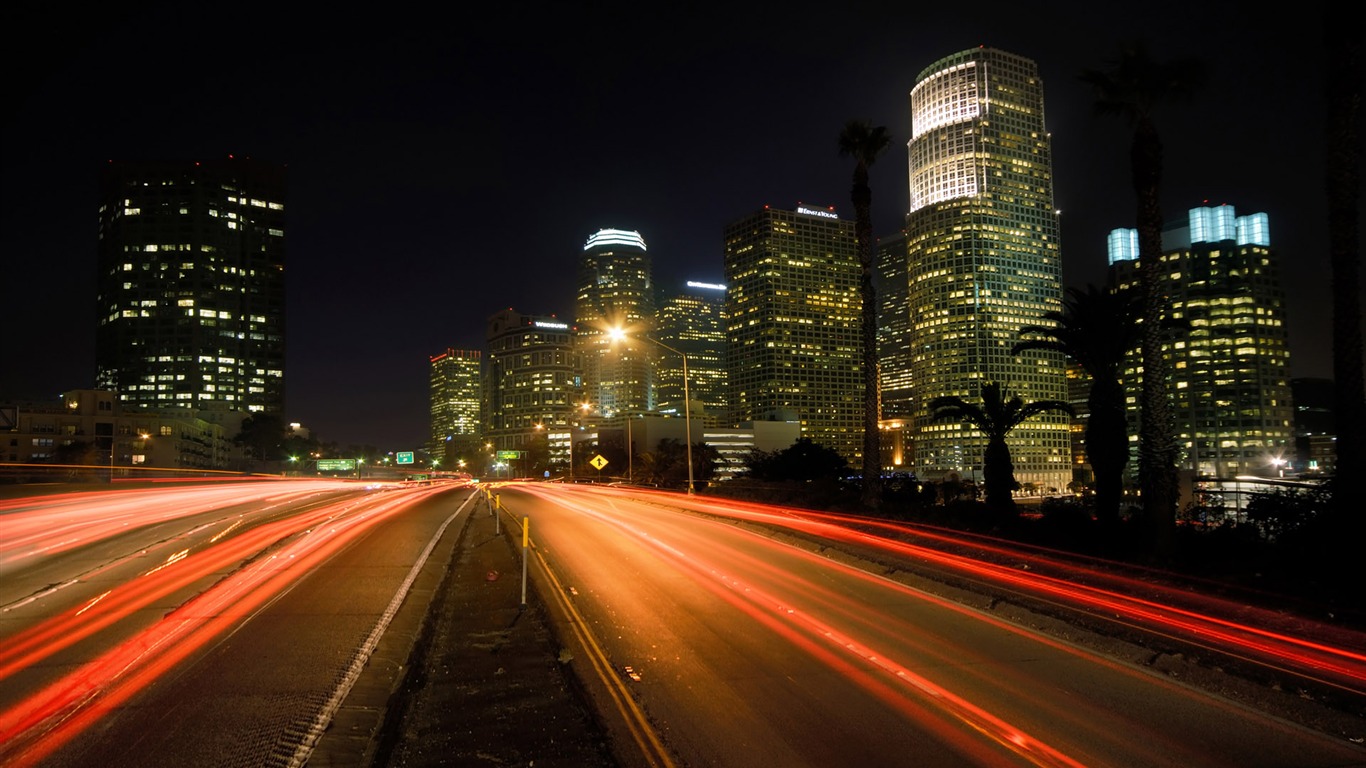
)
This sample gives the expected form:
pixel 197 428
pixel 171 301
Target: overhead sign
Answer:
pixel 598 462
pixel 336 465
pixel 403 457
pixel 509 455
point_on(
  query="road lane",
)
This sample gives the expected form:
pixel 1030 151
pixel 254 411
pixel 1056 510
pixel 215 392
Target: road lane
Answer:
pixel 744 651
pixel 249 663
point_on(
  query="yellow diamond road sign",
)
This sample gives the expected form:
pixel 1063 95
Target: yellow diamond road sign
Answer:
pixel 598 462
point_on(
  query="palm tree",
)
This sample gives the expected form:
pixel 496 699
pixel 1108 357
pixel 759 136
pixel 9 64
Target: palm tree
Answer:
pixel 1096 328
pixel 1343 43
pixel 1133 88
pixel 864 143
pixel 995 418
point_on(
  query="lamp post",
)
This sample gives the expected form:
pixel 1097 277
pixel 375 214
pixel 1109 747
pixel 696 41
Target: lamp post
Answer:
pixel 687 400
pixel 584 408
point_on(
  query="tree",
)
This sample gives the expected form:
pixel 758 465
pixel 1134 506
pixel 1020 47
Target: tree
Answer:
pixel 995 418
pixel 1096 328
pixel 1343 185
pixel 669 465
pixel 803 460
pixel 263 436
pixel 864 143
pixel 1134 87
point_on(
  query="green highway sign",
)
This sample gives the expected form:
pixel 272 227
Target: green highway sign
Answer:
pixel 336 465
pixel 403 457
pixel 509 455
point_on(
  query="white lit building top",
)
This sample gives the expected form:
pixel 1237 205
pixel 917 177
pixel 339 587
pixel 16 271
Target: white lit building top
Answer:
pixel 604 237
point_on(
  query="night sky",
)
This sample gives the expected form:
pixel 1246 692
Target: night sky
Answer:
pixel 446 165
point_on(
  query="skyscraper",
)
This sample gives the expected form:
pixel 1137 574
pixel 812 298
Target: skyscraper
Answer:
pixel 984 260
pixel 191 285
pixel 530 384
pixel 892 289
pixel 615 294
pixel 456 400
pixel 793 325
pixel 1230 363
pixel 691 321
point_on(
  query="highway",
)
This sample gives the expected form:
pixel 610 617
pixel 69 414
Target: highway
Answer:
pixel 715 643
pixel 201 625
pixel 226 624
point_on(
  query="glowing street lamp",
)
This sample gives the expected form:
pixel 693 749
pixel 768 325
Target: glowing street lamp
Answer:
pixel 617 334
pixel 584 408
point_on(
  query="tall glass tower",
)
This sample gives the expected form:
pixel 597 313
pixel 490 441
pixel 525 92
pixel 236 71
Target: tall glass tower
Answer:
pixel 1230 366
pixel 456 399
pixel 983 259
pixel 530 384
pixel 691 321
pixel 893 327
pixel 793 338
pixel 613 309
pixel 191 285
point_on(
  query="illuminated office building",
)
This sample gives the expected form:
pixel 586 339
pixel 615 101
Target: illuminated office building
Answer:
pixel 615 293
pixel 793 325
pixel 530 383
pixel 892 288
pixel 984 260
pixel 191 285
pixel 691 321
pixel 1229 363
pixel 456 401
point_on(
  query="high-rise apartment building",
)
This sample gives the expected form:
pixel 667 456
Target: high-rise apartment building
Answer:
pixel 614 307
pixel 191 285
pixel 456 401
pixel 1229 360
pixel 690 321
pixel 531 384
pixel 983 259
pixel 793 324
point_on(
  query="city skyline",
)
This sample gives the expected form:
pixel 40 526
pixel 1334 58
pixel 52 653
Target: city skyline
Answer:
pixel 437 178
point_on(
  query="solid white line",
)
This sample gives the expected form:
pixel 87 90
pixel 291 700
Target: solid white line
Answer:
pixel 362 657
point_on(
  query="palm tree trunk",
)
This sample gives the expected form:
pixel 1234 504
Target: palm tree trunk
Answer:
pixel 1343 44
pixel 1156 449
pixel 1107 447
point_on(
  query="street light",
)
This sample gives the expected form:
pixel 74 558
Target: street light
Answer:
pixel 617 334
pixel 584 408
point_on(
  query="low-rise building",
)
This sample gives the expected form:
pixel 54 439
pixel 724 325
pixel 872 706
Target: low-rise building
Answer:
pixel 91 427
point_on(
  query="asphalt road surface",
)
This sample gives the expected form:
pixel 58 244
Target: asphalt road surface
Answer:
pixel 713 645
pixel 274 624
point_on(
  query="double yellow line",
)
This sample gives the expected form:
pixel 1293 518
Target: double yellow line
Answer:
pixel 651 749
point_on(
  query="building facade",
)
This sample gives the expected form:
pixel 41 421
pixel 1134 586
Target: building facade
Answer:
pixel 1229 359
pixel 191 285
pixel 691 322
pixel 793 324
pixel 983 259
pixel 456 402
pixel 614 307
pixel 91 431
pixel 531 386
pixel 891 285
